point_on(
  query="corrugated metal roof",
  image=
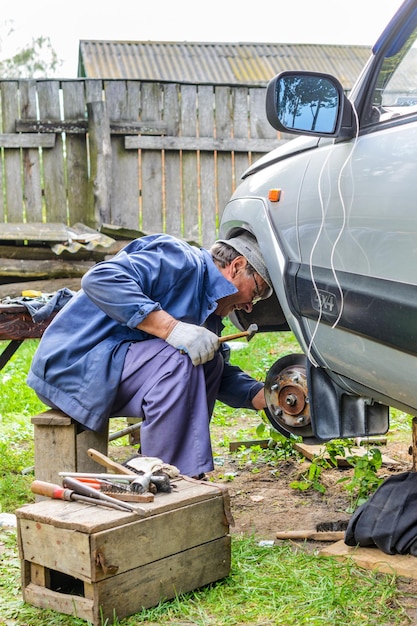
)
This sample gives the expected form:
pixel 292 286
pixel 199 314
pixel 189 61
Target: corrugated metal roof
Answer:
pixel 225 63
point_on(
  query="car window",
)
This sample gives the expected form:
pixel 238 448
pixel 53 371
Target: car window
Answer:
pixel 395 91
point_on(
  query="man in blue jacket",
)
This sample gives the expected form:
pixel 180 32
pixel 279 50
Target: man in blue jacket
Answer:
pixel 141 339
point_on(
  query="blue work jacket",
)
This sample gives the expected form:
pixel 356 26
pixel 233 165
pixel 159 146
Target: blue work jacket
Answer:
pixel 80 358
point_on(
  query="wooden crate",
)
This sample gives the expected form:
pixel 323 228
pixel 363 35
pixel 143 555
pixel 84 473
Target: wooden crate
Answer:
pixel 95 563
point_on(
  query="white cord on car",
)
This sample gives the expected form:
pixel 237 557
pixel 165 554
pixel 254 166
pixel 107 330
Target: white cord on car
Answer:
pixel 333 251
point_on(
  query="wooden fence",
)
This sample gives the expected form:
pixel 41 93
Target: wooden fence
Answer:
pixel 149 156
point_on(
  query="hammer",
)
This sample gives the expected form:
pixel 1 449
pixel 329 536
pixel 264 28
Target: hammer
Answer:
pixel 249 333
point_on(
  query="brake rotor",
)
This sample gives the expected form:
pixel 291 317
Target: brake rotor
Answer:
pixel 286 394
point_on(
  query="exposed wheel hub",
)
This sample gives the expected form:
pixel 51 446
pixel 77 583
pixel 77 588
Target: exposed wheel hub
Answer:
pixel 286 394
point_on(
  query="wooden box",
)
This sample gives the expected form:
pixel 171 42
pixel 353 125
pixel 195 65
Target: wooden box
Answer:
pixel 96 563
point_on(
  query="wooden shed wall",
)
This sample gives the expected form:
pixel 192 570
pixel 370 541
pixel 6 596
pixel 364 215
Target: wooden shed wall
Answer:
pixel 153 156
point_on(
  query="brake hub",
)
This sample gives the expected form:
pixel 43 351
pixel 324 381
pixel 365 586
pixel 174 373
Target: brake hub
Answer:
pixel 286 394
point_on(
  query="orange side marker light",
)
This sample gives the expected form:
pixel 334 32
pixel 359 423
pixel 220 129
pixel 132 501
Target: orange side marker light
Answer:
pixel 274 195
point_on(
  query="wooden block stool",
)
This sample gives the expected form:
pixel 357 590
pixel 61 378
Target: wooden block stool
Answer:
pixel 59 447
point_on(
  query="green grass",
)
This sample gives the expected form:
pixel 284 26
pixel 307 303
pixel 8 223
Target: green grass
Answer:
pixel 279 585
pixel 266 586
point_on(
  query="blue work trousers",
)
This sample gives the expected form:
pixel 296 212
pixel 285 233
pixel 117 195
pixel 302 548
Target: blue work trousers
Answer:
pixel 175 399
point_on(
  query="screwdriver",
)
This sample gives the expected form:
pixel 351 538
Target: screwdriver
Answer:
pixel 82 489
pixel 57 492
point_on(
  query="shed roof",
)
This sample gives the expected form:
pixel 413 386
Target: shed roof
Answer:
pixel 223 63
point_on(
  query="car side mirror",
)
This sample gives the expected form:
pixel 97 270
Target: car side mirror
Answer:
pixel 308 103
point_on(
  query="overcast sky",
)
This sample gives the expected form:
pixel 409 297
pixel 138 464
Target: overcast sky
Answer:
pixel 292 21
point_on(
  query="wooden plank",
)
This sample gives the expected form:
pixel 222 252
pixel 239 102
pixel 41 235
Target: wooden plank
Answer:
pixel 224 114
pixel 93 90
pixel 85 440
pixel 55 451
pixel 69 126
pixel 39 542
pixel 374 559
pixel 42 252
pixel 40 575
pixel 78 516
pixel 159 536
pixel 80 202
pixel 127 127
pixel 75 516
pixel 44 598
pixel 100 162
pixel 131 162
pixel 146 586
pixel 122 105
pixel 13 290
pixel 51 417
pixel 25 269
pixel 16 324
pixel 8 140
pixel 190 165
pixel 34 231
pixel 59 447
pixel 312 451
pixel 209 209
pixel 12 163
pixel 151 184
pixel 80 126
pixel 259 125
pixel 56 233
pixel 261 443
pixel 53 159
pixel 208 144
pixel 241 131
pixel 32 180
pixel 172 164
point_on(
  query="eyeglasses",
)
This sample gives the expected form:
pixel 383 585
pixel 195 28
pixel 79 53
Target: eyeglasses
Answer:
pixel 258 295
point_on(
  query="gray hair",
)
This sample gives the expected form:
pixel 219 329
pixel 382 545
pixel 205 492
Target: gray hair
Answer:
pixel 223 254
pixel 247 246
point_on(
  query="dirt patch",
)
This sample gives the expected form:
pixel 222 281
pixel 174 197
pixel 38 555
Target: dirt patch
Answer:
pixel 263 502
pixel 262 499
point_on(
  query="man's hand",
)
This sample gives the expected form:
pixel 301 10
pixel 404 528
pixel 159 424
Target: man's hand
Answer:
pixel 199 343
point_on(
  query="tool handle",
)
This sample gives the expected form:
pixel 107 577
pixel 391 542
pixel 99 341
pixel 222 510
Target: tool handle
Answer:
pixel 235 336
pixel 85 490
pixel 42 488
pixel 335 535
pixel 94 483
pixel 104 460
pixel 81 488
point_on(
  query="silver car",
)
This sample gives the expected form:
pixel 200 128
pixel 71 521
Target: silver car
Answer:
pixel 335 213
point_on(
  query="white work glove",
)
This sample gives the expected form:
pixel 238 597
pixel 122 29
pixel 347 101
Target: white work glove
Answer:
pixel 199 343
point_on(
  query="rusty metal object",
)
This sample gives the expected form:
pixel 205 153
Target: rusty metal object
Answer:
pixel 286 394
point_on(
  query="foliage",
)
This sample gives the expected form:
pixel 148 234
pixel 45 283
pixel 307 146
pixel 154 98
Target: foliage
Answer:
pixel 17 403
pixel 361 485
pixel 36 59
pixel 365 479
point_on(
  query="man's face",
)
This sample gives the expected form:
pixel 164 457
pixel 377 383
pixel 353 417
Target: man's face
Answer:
pixel 251 287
